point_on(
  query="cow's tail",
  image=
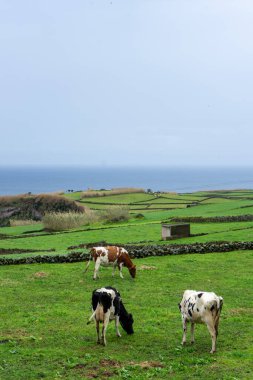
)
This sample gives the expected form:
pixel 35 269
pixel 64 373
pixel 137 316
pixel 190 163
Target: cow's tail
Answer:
pixel 220 303
pixel 91 317
pixel 87 266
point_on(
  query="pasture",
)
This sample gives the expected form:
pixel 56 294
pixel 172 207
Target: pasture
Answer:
pixel 45 307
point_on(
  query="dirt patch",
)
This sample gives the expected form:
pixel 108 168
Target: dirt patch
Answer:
pixel 151 365
pixel 104 370
pixel 147 365
pixel 17 334
pixel 108 374
pixel 241 310
pixel 92 375
pixel 109 363
pixel 101 375
pixel 80 366
pixel 40 274
pixel 146 267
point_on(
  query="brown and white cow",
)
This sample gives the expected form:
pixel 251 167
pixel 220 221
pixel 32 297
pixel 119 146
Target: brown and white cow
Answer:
pixel 111 256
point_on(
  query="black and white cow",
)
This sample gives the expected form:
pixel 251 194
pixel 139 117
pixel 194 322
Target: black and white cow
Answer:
pixel 201 307
pixel 106 306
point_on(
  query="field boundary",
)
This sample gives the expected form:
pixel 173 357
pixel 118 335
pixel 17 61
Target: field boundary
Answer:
pixel 214 219
pixel 136 251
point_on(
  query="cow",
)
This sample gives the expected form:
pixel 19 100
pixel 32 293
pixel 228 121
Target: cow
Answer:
pixel 106 306
pixel 111 256
pixel 201 307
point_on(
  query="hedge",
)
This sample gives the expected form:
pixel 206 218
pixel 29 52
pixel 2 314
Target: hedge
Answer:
pixel 69 258
pixel 14 251
pixel 215 219
pixel 138 251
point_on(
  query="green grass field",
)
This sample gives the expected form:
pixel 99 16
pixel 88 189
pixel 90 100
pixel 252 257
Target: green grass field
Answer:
pixel 44 307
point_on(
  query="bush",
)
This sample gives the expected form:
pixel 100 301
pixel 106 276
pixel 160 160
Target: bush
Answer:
pixel 103 193
pixel 58 221
pixel 116 214
pixel 35 206
pixel 91 216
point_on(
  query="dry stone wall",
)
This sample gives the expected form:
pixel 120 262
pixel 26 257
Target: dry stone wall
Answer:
pixel 137 251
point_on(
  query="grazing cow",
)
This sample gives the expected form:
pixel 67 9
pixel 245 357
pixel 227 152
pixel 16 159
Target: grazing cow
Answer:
pixel 107 305
pixel 111 256
pixel 201 307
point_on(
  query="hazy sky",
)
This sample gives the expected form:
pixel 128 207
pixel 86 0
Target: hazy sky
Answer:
pixel 121 82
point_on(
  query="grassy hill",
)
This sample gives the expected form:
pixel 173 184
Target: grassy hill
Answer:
pixel 147 229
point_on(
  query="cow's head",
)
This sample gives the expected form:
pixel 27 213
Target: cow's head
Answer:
pixel 95 252
pixel 132 271
pixel 127 323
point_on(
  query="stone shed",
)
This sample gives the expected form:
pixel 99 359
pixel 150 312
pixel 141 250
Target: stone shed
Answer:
pixel 173 231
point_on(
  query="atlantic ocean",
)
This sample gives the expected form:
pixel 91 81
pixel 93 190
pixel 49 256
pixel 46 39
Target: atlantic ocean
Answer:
pixel 20 180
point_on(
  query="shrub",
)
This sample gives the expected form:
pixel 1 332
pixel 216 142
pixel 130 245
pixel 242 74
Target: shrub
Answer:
pixel 35 206
pixel 58 221
pixel 103 193
pixel 116 214
pixel 139 216
pixel 91 216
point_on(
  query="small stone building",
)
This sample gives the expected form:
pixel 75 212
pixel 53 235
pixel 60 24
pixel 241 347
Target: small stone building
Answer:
pixel 173 231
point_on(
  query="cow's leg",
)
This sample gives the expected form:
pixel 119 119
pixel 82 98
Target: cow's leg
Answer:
pixel 117 326
pixel 212 330
pixel 105 324
pixel 217 325
pixel 184 331
pixel 120 270
pixel 113 269
pixel 97 328
pixel 97 265
pixel 192 332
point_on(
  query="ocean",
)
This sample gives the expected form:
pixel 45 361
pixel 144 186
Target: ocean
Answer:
pixel 182 180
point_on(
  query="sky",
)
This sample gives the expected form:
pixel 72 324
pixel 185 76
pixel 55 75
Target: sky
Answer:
pixel 126 83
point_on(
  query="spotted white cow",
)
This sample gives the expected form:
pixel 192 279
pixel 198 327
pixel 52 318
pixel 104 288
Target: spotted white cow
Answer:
pixel 106 306
pixel 201 307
